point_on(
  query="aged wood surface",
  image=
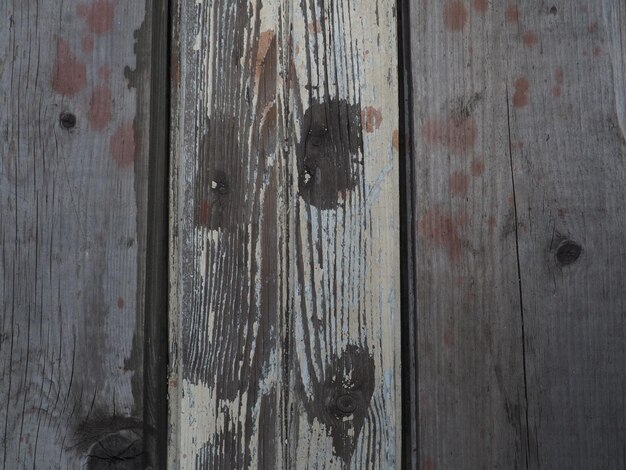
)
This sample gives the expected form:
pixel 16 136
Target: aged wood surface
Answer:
pixel 285 287
pixel 520 160
pixel 74 145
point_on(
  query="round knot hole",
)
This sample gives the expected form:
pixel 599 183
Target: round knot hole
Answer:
pixel 67 120
pixel 568 252
pixel 346 404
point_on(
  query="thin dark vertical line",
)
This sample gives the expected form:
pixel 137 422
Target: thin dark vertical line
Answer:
pixel 410 412
pixel 157 255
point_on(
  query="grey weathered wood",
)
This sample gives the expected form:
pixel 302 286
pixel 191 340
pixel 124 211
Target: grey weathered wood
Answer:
pixel 73 234
pixel 284 226
pixel 519 150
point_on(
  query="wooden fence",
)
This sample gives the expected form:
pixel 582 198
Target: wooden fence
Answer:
pixel 316 234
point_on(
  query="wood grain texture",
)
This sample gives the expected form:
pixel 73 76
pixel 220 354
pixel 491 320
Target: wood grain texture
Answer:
pixel 285 305
pixel 74 141
pixel 518 124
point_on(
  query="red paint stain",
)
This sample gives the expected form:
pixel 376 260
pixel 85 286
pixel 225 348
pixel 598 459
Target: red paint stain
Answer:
pixel 478 168
pixel 558 74
pixel 428 464
pixel 597 52
pixel 491 222
pixel 123 146
pixel 266 38
pixel 204 212
pixel 520 98
pixel 99 16
pixel 441 230
pixel 448 338
pixel 395 139
pixel 120 303
pixel 454 15
pixel 556 91
pixel 459 182
pixel 314 28
pixel 593 27
pixel 481 6
pixel 99 113
pixel 562 212
pixel 69 75
pixel 87 44
pixel 173 383
pixel 104 72
pixel 511 14
pixel 457 134
pixel 530 39
pixel 371 119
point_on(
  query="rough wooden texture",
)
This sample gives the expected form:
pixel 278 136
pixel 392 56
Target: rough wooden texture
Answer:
pixel 285 293
pixel 520 157
pixel 74 146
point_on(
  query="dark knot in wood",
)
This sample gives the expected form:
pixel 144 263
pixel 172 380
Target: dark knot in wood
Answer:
pixel 67 120
pixel 121 451
pixel 329 152
pixel 568 252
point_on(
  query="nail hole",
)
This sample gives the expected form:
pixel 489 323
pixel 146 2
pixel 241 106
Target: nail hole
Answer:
pixel 568 252
pixel 220 187
pixel 346 404
pixel 553 10
pixel 67 120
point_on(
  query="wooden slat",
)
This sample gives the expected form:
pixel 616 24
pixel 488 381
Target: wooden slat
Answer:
pixel 470 392
pixel 569 170
pixel 518 113
pixel 285 309
pixel 74 146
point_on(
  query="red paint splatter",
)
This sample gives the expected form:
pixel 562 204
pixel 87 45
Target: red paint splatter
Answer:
pixel 123 146
pixel 520 98
pixel 69 75
pixel 459 182
pixel 478 168
pixel 173 383
pixel 454 15
pixel 314 28
pixel 99 114
pixel 457 134
pixel 395 139
pixel 597 52
pixel 441 230
pixel 558 74
pixel 530 39
pixel 511 14
pixel 371 119
pixel 562 212
pixel 104 72
pixel 204 212
pixel 481 6
pixel 120 303
pixel 428 464
pixel 448 338
pixel 593 27
pixel 88 44
pixel 99 16
pixel 491 222
pixel 556 91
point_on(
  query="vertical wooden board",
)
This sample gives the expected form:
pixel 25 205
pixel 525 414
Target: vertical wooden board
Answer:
pixel 74 141
pixel 285 236
pixel 344 235
pixel 228 251
pixel 566 92
pixel 470 398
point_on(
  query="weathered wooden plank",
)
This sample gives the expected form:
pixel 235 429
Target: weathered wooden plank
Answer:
pixel 519 145
pixel 285 236
pixel 470 398
pixel 74 146
pixel 567 112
